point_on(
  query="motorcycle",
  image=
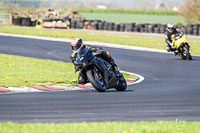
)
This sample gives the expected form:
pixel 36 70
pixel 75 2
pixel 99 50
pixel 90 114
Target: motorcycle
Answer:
pixel 98 72
pixel 180 42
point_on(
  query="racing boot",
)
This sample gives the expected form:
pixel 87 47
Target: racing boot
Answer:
pixel 168 49
pixel 116 69
pixel 107 57
pixel 176 51
pixel 114 66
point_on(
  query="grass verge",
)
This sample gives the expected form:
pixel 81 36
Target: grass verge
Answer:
pixel 121 40
pixel 157 12
pixel 137 18
pixel 16 71
pixel 107 127
pixel 122 11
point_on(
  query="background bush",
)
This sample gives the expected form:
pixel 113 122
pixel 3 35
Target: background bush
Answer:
pixel 191 11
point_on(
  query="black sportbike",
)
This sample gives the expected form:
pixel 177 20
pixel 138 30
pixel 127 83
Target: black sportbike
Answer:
pixel 98 72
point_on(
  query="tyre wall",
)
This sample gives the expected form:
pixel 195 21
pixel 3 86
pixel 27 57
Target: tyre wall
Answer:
pixel 190 29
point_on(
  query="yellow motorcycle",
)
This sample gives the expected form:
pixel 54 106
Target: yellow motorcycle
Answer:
pixel 180 43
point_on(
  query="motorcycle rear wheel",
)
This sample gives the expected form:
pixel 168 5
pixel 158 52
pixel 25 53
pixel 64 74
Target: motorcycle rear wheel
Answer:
pixel 96 79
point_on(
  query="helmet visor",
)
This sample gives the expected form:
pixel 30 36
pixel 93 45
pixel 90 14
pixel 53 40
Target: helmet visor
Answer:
pixel 171 29
pixel 75 47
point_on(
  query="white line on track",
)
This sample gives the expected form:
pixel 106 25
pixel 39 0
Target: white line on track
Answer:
pixel 141 78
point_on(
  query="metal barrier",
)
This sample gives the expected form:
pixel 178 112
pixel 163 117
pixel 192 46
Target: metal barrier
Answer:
pixel 5 18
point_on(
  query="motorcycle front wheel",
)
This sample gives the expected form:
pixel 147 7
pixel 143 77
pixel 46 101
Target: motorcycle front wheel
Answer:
pixel 96 79
pixel 188 55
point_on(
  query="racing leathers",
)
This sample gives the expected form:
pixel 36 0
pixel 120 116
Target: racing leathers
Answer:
pixel 98 51
pixel 168 39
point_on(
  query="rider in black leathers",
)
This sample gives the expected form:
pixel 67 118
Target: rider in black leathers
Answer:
pixel 77 44
pixel 170 31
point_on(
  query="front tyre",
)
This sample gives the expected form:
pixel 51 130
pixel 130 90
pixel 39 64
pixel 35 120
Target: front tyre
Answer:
pixel 188 55
pixel 96 79
pixel 121 85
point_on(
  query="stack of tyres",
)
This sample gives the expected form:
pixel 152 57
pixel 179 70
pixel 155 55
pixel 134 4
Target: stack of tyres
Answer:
pixel 105 27
pixel 151 28
pixel 33 22
pixel 137 28
pixel 182 29
pixel 111 26
pixel 189 28
pixel 146 29
pixel 122 27
pixel 129 27
pixel 199 30
pixel 157 29
pixel 80 24
pixel 196 29
pixel 67 19
pixel 17 21
pixel 142 27
pixel 116 27
pixel 108 26
pixel 94 25
pixel 26 21
pixel 101 25
pixel 73 24
pixel 162 28
pixel 87 25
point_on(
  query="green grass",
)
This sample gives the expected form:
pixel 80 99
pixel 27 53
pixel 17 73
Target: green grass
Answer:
pixel 137 18
pixel 22 71
pixel 121 40
pixel 107 127
pixel 155 12
pixel 121 16
pixel 16 71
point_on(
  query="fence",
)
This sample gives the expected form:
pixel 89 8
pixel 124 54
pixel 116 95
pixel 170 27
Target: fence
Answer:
pixel 5 18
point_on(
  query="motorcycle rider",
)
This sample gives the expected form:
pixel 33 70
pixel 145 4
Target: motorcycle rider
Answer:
pixel 170 31
pixel 77 44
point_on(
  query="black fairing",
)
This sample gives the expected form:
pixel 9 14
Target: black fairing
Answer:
pixel 87 60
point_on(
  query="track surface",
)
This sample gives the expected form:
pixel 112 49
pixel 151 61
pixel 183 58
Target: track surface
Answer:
pixel 170 91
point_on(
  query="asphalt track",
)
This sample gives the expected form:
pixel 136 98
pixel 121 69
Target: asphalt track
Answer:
pixel 170 91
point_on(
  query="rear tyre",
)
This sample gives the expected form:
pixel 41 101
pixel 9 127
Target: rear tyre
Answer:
pixel 96 79
pixel 190 58
pixel 121 85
